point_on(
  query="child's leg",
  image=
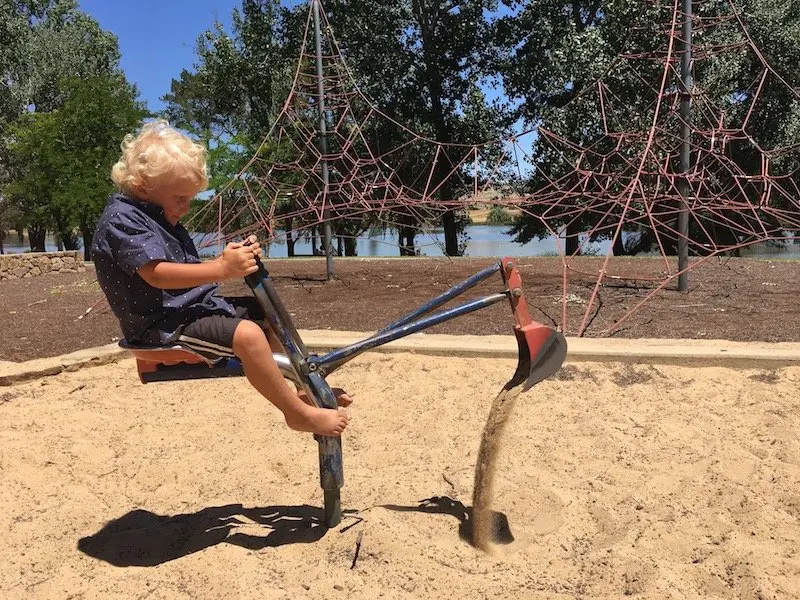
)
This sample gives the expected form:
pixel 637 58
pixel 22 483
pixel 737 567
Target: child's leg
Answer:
pixel 251 346
pixel 247 307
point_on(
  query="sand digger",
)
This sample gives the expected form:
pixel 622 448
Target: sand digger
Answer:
pixel 542 351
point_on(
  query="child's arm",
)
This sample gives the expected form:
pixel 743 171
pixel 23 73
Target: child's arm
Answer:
pixel 237 260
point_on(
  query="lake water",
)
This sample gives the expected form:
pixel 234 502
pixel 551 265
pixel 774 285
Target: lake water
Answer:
pixel 485 240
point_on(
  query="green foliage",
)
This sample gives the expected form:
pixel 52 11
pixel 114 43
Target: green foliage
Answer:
pixel 230 99
pixel 31 155
pixel 60 160
pixel 554 75
pixel 424 63
pixel 64 110
pixel 99 112
pixel 499 216
pixel 240 79
pixel 50 39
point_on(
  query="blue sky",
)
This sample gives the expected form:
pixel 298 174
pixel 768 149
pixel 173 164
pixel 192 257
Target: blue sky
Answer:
pixel 157 37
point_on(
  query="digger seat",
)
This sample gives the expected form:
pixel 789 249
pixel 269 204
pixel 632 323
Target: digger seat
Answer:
pixel 175 362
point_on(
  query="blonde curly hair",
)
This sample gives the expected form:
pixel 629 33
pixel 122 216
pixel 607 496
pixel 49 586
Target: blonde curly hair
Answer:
pixel 159 155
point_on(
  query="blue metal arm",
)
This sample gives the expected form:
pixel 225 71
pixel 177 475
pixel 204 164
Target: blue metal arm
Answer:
pixel 335 359
pixel 454 291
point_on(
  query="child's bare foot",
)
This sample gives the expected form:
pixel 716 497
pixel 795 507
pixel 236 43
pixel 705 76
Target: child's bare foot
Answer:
pixel 322 421
pixel 343 399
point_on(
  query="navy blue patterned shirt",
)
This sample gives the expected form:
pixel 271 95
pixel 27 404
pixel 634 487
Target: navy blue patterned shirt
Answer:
pixel 130 234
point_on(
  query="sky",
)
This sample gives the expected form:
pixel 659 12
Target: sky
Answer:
pixel 157 37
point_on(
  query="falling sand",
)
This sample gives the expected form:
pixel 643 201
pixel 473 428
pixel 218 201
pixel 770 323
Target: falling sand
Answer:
pixel 487 526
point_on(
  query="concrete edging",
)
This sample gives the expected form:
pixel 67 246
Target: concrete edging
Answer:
pixel 656 351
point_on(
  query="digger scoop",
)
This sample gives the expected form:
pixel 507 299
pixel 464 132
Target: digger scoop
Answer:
pixel 542 349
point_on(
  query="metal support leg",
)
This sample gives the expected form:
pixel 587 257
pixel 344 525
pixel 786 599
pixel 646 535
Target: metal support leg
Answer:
pixel 331 469
pixel 333 507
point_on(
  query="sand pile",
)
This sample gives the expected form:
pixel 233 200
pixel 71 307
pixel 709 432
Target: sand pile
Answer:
pixel 616 481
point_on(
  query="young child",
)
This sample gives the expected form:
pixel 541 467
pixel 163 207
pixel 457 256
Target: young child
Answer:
pixel 159 289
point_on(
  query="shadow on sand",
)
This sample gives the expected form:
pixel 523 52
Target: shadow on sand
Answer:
pixel 142 538
pixel 444 505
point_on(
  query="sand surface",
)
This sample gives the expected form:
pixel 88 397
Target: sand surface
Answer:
pixel 616 481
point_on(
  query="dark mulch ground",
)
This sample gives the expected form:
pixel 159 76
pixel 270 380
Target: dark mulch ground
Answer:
pixel 737 299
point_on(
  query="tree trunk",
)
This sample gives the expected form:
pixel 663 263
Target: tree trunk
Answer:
pixel 339 248
pixel 619 247
pixel 406 235
pixel 71 241
pixel 290 239
pixel 314 239
pixel 411 242
pixel 87 233
pixel 65 235
pixel 87 227
pixel 36 236
pixel 450 233
pixel 350 248
pixel 426 16
pixel 572 241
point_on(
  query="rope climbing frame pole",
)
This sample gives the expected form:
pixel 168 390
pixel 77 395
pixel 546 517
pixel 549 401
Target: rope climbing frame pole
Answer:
pixel 323 140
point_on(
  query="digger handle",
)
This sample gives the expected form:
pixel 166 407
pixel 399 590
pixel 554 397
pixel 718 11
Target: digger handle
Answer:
pixel 255 278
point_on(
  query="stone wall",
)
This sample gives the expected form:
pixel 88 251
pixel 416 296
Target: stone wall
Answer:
pixel 31 264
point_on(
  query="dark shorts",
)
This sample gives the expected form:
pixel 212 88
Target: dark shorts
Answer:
pixel 212 336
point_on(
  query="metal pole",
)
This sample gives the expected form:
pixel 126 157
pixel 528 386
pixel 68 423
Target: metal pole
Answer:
pixel 686 150
pixel 323 138
pixel 331 471
pixel 336 358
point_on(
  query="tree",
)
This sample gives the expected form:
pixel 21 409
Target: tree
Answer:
pixel 43 40
pixel 30 187
pixel 551 76
pixel 240 79
pixel 47 39
pixel 423 62
pixel 587 47
pixel 9 219
pixel 60 161
pixel 232 95
pixel 14 33
pixel 99 112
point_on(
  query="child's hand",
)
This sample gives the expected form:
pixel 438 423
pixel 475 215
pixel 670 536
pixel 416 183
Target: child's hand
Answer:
pixel 238 260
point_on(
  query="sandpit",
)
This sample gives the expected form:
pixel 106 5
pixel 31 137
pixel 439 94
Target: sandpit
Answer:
pixel 615 480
